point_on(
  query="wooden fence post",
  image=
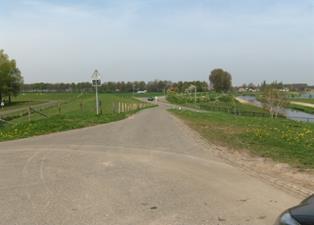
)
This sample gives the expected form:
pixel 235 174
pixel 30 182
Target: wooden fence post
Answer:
pixel 59 108
pixel 81 106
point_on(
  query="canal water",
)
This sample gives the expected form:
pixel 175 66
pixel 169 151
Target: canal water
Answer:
pixel 289 113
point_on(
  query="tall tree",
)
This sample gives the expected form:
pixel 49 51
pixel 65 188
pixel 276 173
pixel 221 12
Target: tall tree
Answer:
pixel 221 80
pixel 10 77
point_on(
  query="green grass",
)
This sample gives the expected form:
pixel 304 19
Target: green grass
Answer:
pixel 70 117
pixel 54 124
pixel 34 99
pixel 42 97
pixel 280 139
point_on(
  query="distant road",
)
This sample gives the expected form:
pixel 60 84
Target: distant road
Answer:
pixel 145 170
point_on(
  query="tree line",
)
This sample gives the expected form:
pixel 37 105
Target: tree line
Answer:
pixel 219 79
pixel 116 87
pixel 11 83
pixel 10 77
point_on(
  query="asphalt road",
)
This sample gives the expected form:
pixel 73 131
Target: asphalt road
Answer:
pixel 145 170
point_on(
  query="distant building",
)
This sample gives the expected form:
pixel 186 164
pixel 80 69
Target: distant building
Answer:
pixel 284 89
pixel 296 86
pixel 241 89
pixel 246 89
pixel 142 92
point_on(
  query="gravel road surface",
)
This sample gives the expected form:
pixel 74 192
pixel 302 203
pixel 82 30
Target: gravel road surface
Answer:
pixel 145 170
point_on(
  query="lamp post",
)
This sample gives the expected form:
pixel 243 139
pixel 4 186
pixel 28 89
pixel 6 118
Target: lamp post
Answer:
pixel 96 82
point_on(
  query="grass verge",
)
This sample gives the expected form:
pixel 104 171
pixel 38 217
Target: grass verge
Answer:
pixel 76 112
pixel 280 139
pixel 54 124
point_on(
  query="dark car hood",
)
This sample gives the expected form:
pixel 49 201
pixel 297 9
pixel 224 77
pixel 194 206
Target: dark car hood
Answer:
pixel 304 213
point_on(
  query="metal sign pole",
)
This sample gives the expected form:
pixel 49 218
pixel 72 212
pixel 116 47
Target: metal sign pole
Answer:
pixel 96 81
pixel 97 102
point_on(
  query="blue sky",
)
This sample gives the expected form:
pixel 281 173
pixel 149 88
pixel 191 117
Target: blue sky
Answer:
pixel 255 40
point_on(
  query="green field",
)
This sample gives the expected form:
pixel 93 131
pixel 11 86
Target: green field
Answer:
pixel 68 111
pixel 281 139
pixel 19 104
pixel 31 99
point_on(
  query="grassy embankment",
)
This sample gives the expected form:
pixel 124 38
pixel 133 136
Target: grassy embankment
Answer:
pixel 215 102
pixel 280 139
pixel 77 111
pixel 306 109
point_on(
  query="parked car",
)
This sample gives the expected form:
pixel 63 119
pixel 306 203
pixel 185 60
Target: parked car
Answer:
pixel 150 99
pixel 302 214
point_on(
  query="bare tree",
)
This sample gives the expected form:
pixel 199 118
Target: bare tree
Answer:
pixel 274 100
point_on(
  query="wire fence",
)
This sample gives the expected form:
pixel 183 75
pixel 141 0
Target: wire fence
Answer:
pixel 234 111
pixel 116 107
pixel 239 112
pixel 13 114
